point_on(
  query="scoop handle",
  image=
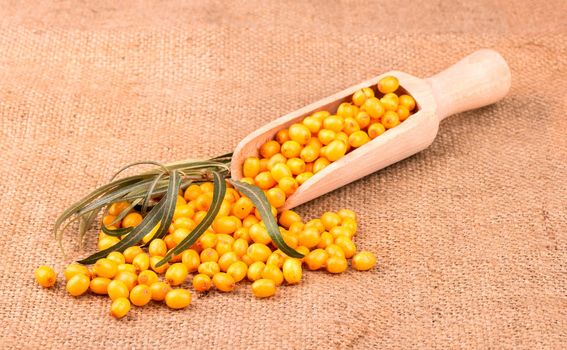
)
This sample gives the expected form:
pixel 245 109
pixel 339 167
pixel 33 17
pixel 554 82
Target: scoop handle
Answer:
pixel 477 80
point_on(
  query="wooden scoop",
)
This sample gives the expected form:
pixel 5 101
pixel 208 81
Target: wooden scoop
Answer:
pixel 477 80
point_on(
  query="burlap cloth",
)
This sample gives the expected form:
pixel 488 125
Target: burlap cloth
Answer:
pixel 470 234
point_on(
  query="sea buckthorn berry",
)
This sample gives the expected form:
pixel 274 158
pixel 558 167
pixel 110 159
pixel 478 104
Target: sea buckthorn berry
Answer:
pixel 276 259
pixel 273 273
pixel 117 289
pixel 251 167
pixel 190 258
pixel 133 219
pixel 263 165
pixel 259 234
pixel 154 260
pixel 117 257
pixel 157 247
pixel 184 210
pixel 325 136
pixel 180 200
pixel 309 237
pixel 226 260
pixel 237 270
pixel 269 148
pixel 208 240
pixel 209 268
pixel 130 279
pixel 351 125
pixel 120 307
pixel 333 123
pixel 299 133
pixel 147 277
pixel 310 153
pixel 131 252
pixel 321 114
pixel 277 158
pixel 390 102
pixel 107 242
pixel 375 130
pixel 263 288
pixel 180 234
pixel 200 215
pixel 247 259
pixel 203 202
pixel 313 124
pixel 292 271
pixel 291 149
pixel 240 247
pixel 348 247
pixel 314 142
pixel 347 213
pixel 359 97
pixel 347 110
pixel 288 217
pixel 358 138
pixel 363 119
pixel 46 277
pixel 403 113
pixel 390 119
pixel 192 192
pixel 255 270
pixel 223 282
pixel 202 283
pixel 141 262
pixel 78 284
pixel 242 207
pixel 108 220
pixel 336 264
pixel 350 225
pixel 295 165
pixel 388 84
pixel 176 274
pixel 326 239
pixel 373 107
pixel 368 92
pixel 330 220
pixel 301 178
pixel 159 290
pixel 407 101
pixel 282 136
pixel 105 268
pixel 280 170
pixel 296 227
pixel 276 196
pixel 117 208
pixel 140 295
pixel 317 223
pixel 321 163
pixel 259 252
pixel 265 180
pixel 224 238
pixel 340 231
pixel 178 298
pixel 126 267
pixel 363 261
pixel 335 250
pixel 316 259
pixel 226 224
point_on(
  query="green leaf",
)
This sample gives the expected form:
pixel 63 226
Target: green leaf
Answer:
pixel 148 223
pixel 119 232
pixel 258 198
pixel 218 196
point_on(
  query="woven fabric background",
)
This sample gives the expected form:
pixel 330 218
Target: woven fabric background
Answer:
pixel 471 234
